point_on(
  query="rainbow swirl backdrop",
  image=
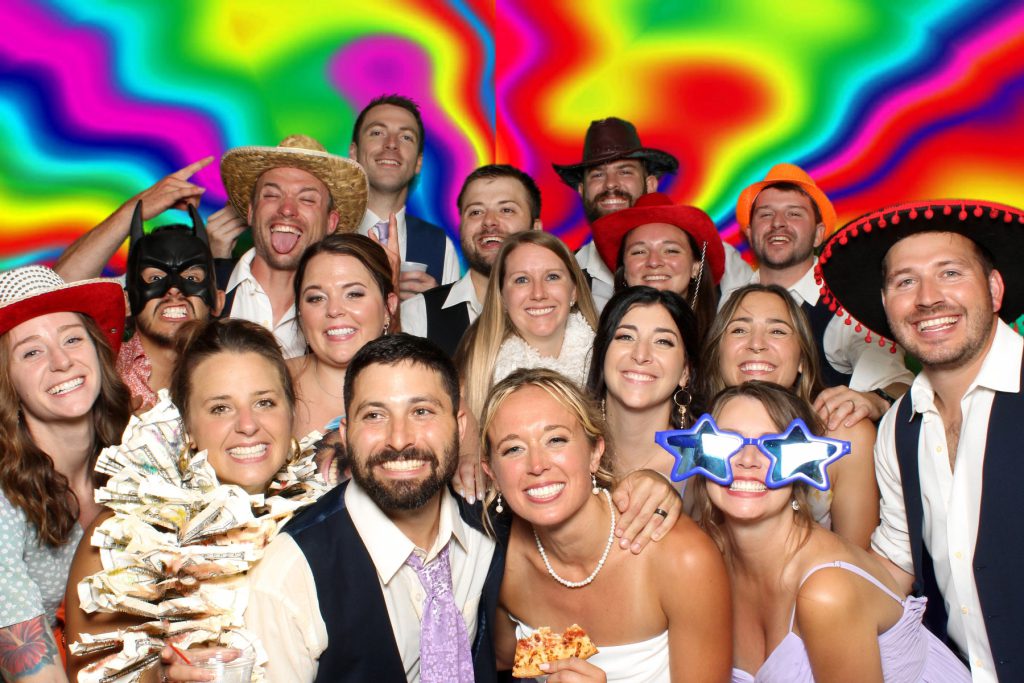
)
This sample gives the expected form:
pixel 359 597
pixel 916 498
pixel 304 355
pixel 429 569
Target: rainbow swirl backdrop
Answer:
pixel 879 101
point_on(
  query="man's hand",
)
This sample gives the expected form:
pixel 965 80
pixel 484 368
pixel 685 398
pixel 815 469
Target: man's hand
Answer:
pixel 413 282
pixel 171 192
pixel 638 497
pixel 223 228
pixel 844 406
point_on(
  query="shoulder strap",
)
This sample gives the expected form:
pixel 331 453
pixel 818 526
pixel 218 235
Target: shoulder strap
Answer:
pixel 839 564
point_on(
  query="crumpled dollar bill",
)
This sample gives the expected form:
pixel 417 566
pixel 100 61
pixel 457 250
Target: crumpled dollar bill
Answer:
pixel 176 550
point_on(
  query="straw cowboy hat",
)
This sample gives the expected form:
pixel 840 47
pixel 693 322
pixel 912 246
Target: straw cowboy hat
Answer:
pixel 32 291
pixel 786 173
pixel 610 139
pixel 655 207
pixel 850 263
pixel 345 179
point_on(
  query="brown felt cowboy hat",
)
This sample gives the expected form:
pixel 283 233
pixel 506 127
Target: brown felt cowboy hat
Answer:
pixel 794 175
pixel 31 291
pixel 610 231
pixel 850 263
pixel 345 179
pixel 610 139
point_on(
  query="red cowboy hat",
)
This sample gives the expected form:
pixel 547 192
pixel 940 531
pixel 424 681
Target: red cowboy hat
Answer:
pixel 609 231
pixel 786 173
pixel 32 291
pixel 610 139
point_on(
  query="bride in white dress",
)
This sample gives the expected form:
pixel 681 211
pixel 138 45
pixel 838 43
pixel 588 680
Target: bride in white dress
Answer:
pixel 662 615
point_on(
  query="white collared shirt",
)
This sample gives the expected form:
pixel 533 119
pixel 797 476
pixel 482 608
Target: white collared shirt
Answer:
pixel 252 303
pixel 951 499
pixel 451 269
pixel 289 622
pixel 870 366
pixel 414 309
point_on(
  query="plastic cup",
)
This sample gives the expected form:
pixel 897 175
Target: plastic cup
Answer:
pixel 413 266
pixel 237 670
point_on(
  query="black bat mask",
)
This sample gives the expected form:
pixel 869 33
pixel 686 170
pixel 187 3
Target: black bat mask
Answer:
pixel 173 249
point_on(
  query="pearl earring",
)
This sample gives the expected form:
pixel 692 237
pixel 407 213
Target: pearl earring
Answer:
pixel 499 508
pixel 795 504
pixel 593 481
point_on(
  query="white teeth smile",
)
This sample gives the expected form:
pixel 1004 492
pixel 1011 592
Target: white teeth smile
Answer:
pixel 756 367
pixel 655 278
pixel 253 452
pixel 403 465
pixel 341 331
pixel 387 162
pixel 540 311
pixel 491 240
pixel 778 239
pixel 748 485
pixel 65 387
pixel 175 312
pixel 284 228
pixel 638 377
pixel 936 323
pixel 545 491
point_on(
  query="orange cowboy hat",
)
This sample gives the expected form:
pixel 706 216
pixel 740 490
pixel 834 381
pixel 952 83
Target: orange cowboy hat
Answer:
pixel 786 173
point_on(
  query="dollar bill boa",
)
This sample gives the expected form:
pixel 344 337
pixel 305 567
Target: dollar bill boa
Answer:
pixel 177 549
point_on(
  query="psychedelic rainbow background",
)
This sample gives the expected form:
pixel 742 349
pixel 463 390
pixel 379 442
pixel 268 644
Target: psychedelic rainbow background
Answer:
pixel 879 101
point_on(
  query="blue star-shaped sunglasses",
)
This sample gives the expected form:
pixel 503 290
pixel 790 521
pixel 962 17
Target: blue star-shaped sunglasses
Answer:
pixel 796 455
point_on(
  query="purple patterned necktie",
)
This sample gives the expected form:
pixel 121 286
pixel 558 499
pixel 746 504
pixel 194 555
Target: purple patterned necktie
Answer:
pixel 382 232
pixel 444 642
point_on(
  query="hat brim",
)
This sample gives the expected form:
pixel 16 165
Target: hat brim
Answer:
pixel 610 231
pixel 850 266
pixel 101 299
pixel 745 204
pixel 658 164
pixel 345 179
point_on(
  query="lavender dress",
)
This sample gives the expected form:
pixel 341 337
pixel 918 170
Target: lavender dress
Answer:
pixel 909 651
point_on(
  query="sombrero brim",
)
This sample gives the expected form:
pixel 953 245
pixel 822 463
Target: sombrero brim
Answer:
pixel 241 167
pixel 101 299
pixel 610 231
pixel 850 266
pixel 658 163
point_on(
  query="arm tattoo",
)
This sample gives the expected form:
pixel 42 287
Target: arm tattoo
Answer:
pixel 25 648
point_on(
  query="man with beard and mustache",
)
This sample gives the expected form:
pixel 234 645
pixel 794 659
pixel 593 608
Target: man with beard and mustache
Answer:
pixel 388 141
pixel 357 566
pixel 292 196
pixel 946 453
pixel 615 171
pixel 785 218
pixel 495 201
pixel 170 282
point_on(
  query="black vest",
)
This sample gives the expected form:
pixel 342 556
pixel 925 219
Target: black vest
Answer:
pixel 361 643
pixel 819 316
pixel 445 326
pixel 999 551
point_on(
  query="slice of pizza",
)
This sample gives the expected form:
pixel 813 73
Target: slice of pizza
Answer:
pixel 544 646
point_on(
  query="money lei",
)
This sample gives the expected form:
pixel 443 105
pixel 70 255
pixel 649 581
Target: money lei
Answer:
pixel 178 545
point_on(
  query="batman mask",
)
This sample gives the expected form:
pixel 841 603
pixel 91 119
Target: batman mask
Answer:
pixel 174 249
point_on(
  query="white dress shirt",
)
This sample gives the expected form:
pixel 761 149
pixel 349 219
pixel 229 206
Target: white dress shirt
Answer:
pixel 951 499
pixel 451 269
pixel 289 623
pixel 870 365
pixel 252 303
pixel 414 309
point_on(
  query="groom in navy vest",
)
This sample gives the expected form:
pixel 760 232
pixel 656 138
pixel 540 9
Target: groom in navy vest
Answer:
pixel 947 454
pixel 388 577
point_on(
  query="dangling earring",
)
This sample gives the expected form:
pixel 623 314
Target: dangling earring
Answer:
pixel 795 504
pixel 387 324
pixel 700 272
pixel 682 398
pixel 499 508
pixel 593 480
pixel 604 413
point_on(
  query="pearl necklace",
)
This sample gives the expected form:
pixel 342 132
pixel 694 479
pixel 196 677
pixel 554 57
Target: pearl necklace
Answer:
pixel 600 563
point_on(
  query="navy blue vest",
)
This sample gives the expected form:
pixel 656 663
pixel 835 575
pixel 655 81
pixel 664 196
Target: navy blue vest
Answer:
pixel 999 552
pixel 425 243
pixel 819 316
pixel 445 326
pixel 361 643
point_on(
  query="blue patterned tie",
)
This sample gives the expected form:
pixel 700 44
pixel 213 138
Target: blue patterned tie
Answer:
pixel 444 642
